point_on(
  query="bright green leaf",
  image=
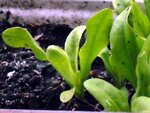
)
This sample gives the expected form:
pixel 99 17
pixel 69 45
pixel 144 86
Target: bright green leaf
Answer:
pixel 98 28
pixel 143 70
pixel 111 98
pixel 141 105
pixel 67 95
pixel 124 49
pixel 72 46
pixel 19 37
pixel 141 23
pixel 60 61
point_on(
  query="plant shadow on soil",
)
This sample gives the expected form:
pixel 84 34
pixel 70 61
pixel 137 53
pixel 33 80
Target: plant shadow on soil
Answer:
pixel 27 83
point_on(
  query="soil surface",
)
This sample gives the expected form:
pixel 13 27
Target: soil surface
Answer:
pixel 27 83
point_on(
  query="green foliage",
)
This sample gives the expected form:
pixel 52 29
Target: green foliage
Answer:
pixel 141 23
pixel 128 58
pixel 111 98
pixel 96 25
pixel 66 61
pixel 143 70
pixel 19 37
pixel 98 30
pixel 124 50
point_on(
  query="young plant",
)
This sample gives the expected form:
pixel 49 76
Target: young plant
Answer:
pixel 18 37
pixel 96 40
pixel 66 61
pixel 128 58
pixel 120 60
pixel 115 99
pixel 126 40
pixel 119 64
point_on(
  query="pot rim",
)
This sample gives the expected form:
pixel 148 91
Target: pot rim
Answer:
pixel 49 111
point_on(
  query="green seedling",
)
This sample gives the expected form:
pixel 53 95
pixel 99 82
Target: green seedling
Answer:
pixel 128 58
pixel 120 60
pixel 116 100
pixel 18 37
pixel 66 61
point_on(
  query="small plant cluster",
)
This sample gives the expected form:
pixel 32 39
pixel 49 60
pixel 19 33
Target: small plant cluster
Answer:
pixel 127 58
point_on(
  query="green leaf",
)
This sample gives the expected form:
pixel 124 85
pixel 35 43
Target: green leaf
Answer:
pixel 147 6
pixel 141 104
pixel 140 41
pixel 72 46
pixel 105 55
pixel 111 98
pixel 60 61
pixel 18 37
pixel 65 96
pixel 141 23
pixel 121 5
pixel 124 49
pixel 98 28
pixel 143 70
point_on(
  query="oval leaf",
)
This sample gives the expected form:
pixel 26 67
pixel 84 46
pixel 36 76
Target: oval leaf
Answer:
pixel 65 96
pixel 60 61
pixel 72 46
pixel 98 28
pixel 111 98
pixel 19 37
pixel 124 49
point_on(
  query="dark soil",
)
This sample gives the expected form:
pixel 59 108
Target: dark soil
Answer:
pixel 27 83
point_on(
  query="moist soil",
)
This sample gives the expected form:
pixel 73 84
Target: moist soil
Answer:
pixel 27 83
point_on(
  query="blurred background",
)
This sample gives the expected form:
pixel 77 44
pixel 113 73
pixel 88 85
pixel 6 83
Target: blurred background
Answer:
pixel 70 12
